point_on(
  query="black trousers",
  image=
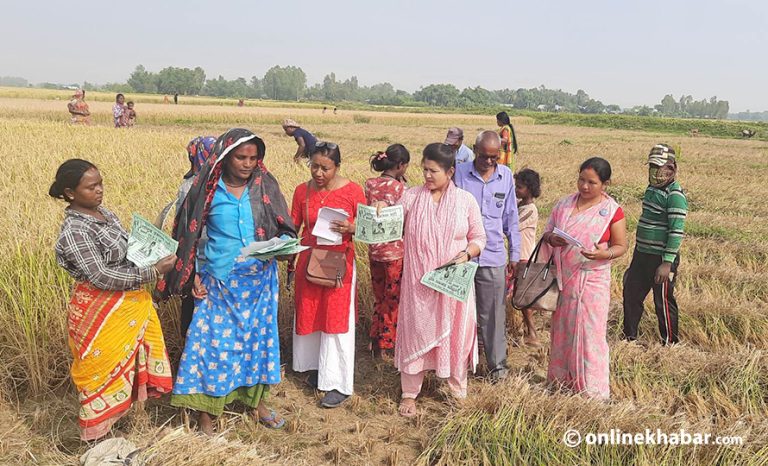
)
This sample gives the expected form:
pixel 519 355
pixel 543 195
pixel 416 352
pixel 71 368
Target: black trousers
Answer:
pixel 638 281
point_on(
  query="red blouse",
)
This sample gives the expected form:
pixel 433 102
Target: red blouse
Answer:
pixel 619 215
pixel 388 190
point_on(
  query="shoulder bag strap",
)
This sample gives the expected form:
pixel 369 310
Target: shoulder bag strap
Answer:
pixel 306 210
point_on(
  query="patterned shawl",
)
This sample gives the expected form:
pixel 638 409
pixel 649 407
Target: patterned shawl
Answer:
pixel 198 151
pixel 270 211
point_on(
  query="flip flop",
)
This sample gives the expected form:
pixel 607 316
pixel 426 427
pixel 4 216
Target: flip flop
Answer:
pixel 409 413
pixel 269 420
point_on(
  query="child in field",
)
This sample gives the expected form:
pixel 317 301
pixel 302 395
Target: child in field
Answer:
pixel 386 258
pixel 130 114
pixel 118 111
pixel 527 188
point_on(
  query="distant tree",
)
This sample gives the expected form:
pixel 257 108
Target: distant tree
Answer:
pixel 477 97
pixel 143 81
pixel 285 83
pixel 440 95
pixel 330 87
pixel 722 109
pixel 593 106
pixel 185 81
pixel 581 98
pixel 669 106
pixel 13 81
pixel 256 88
pixel 117 87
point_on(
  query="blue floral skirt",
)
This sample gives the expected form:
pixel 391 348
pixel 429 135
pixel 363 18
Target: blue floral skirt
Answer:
pixel 232 342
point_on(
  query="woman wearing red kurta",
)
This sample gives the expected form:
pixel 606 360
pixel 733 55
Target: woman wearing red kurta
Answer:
pixel 324 329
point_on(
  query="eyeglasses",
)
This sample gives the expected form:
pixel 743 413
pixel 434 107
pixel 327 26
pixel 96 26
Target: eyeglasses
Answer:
pixel 326 145
pixel 488 158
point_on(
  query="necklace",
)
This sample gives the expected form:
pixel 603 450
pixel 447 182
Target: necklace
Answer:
pixel 324 198
pixel 234 185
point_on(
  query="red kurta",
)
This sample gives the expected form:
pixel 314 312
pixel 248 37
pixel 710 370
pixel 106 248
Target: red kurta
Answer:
pixel 318 308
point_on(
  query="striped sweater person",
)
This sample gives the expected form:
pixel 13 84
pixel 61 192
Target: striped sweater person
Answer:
pixel 660 233
pixel 661 225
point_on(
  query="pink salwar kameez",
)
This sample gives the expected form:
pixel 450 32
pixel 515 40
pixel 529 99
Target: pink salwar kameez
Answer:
pixel 579 349
pixel 436 332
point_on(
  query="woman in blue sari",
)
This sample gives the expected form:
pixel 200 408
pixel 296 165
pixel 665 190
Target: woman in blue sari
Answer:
pixel 232 350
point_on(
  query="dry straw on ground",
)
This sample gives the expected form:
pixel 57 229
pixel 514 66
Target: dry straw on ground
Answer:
pixel 716 382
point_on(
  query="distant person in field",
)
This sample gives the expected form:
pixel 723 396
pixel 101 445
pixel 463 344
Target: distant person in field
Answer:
pixel 386 259
pixel 335 110
pixel 119 111
pixel 166 100
pixel 324 110
pixel 443 225
pixel 241 103
pixel 579 356
pixel 304 139
pixel 508 140
pixel 527 189
pixel 232 348
pixel 130 115
pixel 118 350
pixel 657 251
pixel 176 98
pixel 493 187
pixel 79 110
pixel 455 139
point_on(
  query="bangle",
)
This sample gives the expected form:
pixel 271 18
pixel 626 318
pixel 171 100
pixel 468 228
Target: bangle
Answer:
pixel 469 256
pixel 157 272
pixel 610 251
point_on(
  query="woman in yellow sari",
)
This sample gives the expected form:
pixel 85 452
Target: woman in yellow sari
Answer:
pixel 114 333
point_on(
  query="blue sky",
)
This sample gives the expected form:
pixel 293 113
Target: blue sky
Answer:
pixel 626 52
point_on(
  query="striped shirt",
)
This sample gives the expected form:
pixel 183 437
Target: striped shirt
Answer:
pixel 94 251
pixel 660 228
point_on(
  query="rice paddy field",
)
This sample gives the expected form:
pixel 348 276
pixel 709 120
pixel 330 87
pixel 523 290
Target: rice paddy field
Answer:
pixel 715 382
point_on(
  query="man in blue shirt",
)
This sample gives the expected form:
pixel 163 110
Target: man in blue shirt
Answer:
pixel 493 186
pixel 455 139
pixel 304 139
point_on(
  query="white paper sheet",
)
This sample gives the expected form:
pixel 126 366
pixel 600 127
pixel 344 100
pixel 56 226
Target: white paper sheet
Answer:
pixel 568 238
pixel 322 229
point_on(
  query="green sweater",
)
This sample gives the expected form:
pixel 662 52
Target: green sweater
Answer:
pixel 660 228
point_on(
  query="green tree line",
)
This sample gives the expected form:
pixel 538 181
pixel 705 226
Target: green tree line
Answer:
pixel 290 83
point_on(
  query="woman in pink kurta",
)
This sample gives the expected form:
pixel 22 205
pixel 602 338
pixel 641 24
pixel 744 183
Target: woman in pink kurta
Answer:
pixel 579 349
pixel 442 224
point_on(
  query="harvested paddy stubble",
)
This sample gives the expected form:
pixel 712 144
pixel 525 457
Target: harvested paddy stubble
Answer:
pixel 715 382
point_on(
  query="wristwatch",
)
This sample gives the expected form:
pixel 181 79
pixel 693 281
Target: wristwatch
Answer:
pixel 469 256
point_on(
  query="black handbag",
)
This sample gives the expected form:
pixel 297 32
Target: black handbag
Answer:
pixel 536 287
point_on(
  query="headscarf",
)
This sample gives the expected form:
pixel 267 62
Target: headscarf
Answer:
pixel 270 211
pixel 198 151
pixel 662 166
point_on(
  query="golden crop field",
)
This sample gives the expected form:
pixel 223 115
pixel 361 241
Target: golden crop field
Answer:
pixel 715 382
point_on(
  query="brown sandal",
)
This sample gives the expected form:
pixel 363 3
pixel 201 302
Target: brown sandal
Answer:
pixel 407 409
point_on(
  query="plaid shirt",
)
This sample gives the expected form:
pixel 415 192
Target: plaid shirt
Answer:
pixel 94 251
